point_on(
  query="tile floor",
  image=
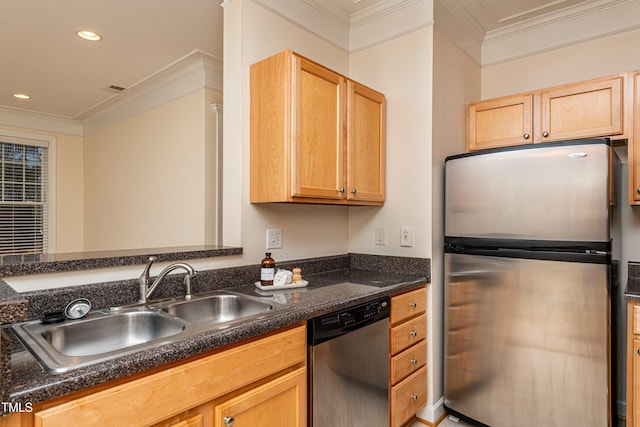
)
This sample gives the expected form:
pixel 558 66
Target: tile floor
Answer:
pixel 447 422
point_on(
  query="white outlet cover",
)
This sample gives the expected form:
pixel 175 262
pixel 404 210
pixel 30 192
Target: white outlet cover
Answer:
pixel 406 239
pixel 380 239
pixel 274 238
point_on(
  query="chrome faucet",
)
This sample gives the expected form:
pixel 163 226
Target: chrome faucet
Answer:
pixel 145 279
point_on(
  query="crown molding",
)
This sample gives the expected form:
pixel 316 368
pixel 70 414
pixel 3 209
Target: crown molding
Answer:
pixel 312 16
pixel 39 121
pixel 579 23
pixel 192 72
pixel 383 21
pixel 454 21
pixel 388 20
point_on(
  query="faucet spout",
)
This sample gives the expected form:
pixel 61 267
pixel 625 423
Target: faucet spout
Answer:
pixel 191 272
pixel 144 280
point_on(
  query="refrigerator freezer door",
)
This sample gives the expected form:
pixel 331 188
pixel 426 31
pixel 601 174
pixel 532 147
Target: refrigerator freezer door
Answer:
pixel 526 341
pixel 546 192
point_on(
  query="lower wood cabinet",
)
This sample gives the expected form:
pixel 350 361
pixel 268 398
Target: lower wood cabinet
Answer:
pixel 633 364
pixel 261 382
pixel 408 356
pixel 280 402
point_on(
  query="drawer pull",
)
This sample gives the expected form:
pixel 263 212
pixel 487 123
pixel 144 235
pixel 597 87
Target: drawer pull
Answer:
pixel 414 397
pixel 413 304
pixel 228 421
pixel 413 333
pixel 415 361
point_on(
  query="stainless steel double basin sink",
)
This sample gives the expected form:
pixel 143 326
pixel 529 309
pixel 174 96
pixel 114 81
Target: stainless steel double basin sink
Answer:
pixel 106 334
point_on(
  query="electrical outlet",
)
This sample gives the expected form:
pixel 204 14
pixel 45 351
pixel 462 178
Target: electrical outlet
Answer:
pixel 380 238
pixel 405 237
pixel 274 238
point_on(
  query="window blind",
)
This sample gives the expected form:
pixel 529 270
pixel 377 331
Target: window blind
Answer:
pixel 23 196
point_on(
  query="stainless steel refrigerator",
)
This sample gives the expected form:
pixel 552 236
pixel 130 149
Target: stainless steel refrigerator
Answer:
pixel 527 285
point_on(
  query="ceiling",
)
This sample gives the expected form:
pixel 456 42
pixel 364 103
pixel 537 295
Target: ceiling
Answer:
pixel 68 77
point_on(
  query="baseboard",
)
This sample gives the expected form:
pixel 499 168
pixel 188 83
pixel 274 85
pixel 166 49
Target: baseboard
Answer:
pixel 432 415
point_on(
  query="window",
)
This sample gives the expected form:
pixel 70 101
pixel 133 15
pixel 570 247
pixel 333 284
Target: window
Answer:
pixel 24 196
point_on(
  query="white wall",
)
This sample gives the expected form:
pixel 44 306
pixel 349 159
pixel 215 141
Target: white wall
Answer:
pixel 146 174
pixel 401 69
pixel 456 82
pixel 252 33
pixel 596 58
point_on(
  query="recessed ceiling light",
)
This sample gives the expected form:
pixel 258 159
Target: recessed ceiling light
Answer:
pixel 21 96
pixel 89 35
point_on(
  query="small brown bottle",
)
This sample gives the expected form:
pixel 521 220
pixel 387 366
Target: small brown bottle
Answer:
pixel 267 270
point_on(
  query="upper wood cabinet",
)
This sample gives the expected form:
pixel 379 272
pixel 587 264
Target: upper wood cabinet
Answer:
pixel 316 136
pixel 634 142
pixel 500 122
pixel 586 109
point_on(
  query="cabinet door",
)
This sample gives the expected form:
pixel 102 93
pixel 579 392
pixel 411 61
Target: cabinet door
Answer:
pixel 196 417
pixel 634 144
pixel 635 399
pixel 317 130
pixel 281 402
pixel 500 122
pixel 582 110
pixel 365 143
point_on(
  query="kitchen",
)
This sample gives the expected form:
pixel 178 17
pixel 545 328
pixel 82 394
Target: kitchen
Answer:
pixel 421 129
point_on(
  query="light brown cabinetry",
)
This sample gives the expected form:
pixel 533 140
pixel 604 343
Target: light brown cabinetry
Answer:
pixel 316 136
pixel 633 364
pixel 281 402
pixel 634 139
pixel 408 355
pixel 261 379
pixel 500 122
pixel 586 109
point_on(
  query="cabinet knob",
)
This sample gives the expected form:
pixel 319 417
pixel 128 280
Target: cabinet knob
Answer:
pixel 228 421
pixel 342 190
pixel 638 190
pixel 525 136
pixel 413 304
pixel 415 361
pixel 545 134
pixel 638 352
pixel 353 191
pixel 413 333
pixel 413 397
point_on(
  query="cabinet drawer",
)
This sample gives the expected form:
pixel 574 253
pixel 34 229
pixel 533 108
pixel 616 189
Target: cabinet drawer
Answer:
pixel 408 397
pixel 409 361
pixel 408 305
pixel 636 319
pixel 409 333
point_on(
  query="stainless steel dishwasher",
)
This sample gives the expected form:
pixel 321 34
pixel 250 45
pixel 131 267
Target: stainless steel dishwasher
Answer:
pixel 349 359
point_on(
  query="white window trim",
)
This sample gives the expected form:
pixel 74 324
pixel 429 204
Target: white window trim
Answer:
pixel 49 142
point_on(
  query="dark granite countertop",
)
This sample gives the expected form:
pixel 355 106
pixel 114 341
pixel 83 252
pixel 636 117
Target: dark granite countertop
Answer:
pixel 327 292
pixel 73 261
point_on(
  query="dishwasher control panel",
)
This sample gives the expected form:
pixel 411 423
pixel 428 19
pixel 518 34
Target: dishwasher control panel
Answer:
pixel 335 324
